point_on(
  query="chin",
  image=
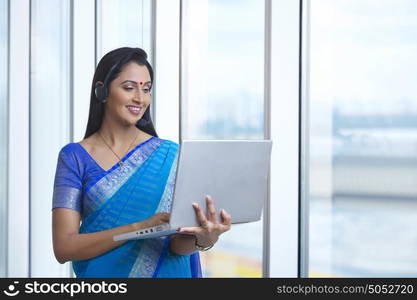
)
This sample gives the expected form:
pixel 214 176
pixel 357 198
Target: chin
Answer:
pixel 130 121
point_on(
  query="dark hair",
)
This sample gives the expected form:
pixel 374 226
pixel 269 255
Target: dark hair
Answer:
pixel 118 58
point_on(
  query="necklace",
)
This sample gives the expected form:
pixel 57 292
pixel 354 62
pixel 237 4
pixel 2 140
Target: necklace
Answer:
pixel 120 162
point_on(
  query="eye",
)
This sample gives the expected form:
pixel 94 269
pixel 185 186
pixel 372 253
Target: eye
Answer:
pixel 128 88
pixel 146 90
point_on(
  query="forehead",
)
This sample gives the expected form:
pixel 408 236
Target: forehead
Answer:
pixel 135 72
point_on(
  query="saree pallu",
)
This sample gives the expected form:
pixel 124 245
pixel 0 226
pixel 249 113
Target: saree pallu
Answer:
pixel 126 194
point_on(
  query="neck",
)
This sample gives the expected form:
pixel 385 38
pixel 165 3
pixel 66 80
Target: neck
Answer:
pixel 117 135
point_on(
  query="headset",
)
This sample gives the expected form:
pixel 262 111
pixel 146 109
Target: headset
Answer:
pixel 101 90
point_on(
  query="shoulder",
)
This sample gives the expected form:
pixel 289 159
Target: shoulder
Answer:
pixel 69 148
pixel 71 158
pixel 69 152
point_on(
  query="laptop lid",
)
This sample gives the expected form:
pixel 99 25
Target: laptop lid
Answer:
pixel 234 172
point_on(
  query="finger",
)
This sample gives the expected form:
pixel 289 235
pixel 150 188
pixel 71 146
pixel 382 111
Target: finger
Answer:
pixel 211 210
pixel 227 219
pixel 200 216
pixel 190 230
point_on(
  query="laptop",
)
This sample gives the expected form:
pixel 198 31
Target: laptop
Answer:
pixel 234 172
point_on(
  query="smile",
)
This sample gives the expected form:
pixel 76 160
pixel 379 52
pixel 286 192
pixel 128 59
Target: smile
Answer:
pixel 134 110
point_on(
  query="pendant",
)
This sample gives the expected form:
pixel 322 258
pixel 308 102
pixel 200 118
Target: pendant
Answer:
pixel 121 163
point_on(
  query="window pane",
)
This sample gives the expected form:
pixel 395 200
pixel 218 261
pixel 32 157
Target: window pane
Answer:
pixel 363 138
pixel 50 104
pixel 222 98
pixel 124 23
pixel 3 132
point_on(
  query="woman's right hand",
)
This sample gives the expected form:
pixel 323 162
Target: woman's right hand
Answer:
pixel 157 219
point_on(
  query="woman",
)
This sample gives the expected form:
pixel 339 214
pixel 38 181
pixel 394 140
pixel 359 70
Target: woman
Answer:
pixel 120 178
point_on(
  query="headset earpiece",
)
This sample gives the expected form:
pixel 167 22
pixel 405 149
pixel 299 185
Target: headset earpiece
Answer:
pixel 101 92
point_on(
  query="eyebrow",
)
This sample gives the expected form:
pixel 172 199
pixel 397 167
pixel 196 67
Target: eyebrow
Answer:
pixel 132 81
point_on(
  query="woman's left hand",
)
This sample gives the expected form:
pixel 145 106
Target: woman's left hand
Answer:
pixel 210 230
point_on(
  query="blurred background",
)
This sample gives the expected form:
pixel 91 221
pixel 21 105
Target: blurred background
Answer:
pixel 331 82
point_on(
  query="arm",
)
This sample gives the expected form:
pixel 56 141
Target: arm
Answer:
pixel 70 245
pixel 182 244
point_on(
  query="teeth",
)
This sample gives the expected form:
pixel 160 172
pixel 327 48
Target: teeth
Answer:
pixel 133 108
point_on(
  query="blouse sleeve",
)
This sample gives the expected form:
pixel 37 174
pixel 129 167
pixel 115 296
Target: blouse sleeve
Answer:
pixel 68 184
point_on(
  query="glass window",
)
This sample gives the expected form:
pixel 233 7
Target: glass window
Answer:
pixel 3 132
pixel 363 138
pixel 222 98
pixel 123 24
pixel 50 104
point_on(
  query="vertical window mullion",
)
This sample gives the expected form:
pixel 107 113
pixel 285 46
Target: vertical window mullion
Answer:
pixel 284 110
pixel 18 140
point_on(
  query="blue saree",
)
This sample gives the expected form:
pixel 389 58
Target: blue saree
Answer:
pixel 122 195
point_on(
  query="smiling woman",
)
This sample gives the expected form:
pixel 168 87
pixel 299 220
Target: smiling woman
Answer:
pixel 120 178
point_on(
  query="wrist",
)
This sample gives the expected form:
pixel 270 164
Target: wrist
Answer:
pixel 202 247
pixel 182 244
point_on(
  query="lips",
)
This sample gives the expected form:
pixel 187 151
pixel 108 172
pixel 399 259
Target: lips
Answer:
pixel 134 109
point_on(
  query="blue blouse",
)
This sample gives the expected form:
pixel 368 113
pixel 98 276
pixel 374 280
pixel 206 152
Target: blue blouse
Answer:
pixel 78 172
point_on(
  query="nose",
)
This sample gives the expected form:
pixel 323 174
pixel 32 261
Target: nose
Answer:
pixel 139 95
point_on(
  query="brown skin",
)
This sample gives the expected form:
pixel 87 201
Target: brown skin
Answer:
pixel 117 129
pixel 208 233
